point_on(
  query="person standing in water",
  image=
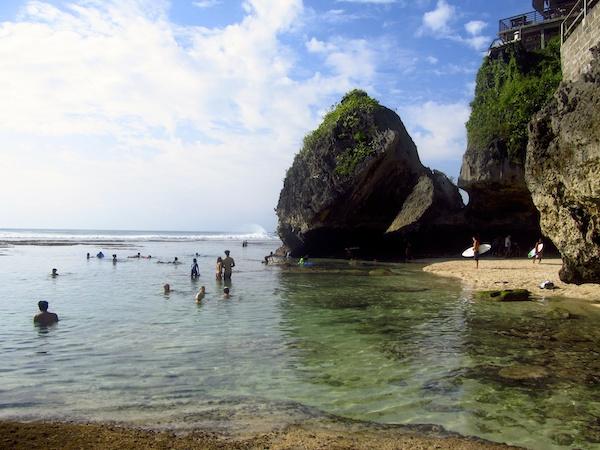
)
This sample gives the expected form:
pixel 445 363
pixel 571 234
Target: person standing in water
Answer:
pixel 228 264
pixel 200 295
pixel 54 273
pixel 219 269
pixel 476 244
pixel 195 271
pixel 539 249
pixel 45 318
pixel 226 293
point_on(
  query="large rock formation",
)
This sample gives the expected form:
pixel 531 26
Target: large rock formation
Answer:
pixel 563 174
pixel 512 85
pixel 350 183
pixel 499 199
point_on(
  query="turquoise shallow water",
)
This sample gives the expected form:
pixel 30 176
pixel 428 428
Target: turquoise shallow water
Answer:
pixel 405 349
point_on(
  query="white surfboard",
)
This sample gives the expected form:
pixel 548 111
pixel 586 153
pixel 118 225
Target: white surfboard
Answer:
pixel 531 254
pixel 483 248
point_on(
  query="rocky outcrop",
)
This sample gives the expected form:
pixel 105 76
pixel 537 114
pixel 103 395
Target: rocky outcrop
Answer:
pixel 563 174
pixel 350 183
pixel 499 198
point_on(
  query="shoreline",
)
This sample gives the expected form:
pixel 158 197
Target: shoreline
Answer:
pixel 312 434
pixel 512 273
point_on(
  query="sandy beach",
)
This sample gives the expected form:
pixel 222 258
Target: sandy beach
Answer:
pixel 513 274
pixel 64 436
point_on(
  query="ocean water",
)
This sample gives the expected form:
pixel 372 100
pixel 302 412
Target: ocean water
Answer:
pixel 374 342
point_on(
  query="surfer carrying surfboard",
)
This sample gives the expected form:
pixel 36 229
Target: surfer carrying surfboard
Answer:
pixel 476 244
pixel 539 249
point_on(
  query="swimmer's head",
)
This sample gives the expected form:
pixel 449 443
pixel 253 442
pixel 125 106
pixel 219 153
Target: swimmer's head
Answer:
pixel 226 291
pixel 54 271
pixel 43 305
pixel 176 259
pixel 167 287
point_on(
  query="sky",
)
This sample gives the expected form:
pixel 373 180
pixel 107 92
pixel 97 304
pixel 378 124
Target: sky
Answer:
pixel 185 114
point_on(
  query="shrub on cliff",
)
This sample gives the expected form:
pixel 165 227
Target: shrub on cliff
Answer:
pixel 349 121
pixel 510 89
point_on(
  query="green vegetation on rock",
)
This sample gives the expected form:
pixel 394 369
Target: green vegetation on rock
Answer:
pixel 510 89
pixel 351 122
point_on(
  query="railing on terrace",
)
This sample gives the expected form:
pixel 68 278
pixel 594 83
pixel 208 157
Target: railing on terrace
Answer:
pixel 575 17
pixel 530 18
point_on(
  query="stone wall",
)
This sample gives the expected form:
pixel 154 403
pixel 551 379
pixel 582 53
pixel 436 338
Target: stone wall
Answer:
pixel 575 51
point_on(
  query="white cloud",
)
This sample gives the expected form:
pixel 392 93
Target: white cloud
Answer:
pixel 432 60
pixel 438 129
pixel 475 27
pixel 126 119
pixel 206 3
pixel 438 23
pixel 438 20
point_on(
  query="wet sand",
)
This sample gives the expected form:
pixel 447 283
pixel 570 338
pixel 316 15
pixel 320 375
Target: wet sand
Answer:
pixel 513 274
pixel 318 435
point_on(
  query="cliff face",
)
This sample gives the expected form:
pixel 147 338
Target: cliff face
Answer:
pixel 499 198
pixel 351 180
pixel 563 174
pixel 510 89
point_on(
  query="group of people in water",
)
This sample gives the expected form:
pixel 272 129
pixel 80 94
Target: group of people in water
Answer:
pixel 223 271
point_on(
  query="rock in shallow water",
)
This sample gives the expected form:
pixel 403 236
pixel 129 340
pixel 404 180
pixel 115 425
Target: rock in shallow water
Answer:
pixel 357 177
pixel 523 372
pixel 506 295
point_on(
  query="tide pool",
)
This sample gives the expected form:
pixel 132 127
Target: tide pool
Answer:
pixel 291 343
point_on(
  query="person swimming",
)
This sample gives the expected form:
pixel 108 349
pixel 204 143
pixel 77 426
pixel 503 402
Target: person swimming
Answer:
pixel 44 318
pixel 100 255
pixel 167 288
pixel 114 260
pixel 88 256
pixel 176 261
pixel 139 255
pixel 54 273
pixel 226 293
pixel 200 295
pixel 195 271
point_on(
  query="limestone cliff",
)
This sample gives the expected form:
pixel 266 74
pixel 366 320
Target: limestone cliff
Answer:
pixel 563 174
pixel 349 183
pixel 510 88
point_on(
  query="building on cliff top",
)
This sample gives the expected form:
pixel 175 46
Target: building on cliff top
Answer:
pixel 534 29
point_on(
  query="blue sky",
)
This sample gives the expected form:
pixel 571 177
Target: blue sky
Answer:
pixel 185 114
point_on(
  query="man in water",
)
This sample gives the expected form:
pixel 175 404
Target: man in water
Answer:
pixel 228 264
pixel 100 255
pixel 200 295
pixel 226 293
pixel 54 273
pixel 44 318
pixel 195 270
pixel 167 288
pixel 268 257
pixel 114 259
pixel 88 256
